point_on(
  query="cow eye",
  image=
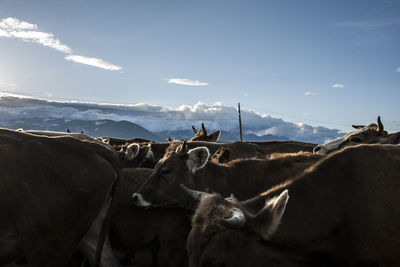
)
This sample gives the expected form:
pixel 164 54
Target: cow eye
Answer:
pixel 356 139
pixel 166 171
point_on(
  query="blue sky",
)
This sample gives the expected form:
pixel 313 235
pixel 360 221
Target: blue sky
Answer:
pixel 329 63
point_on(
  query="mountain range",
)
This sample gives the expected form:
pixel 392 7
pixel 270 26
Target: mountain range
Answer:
pixel 151 122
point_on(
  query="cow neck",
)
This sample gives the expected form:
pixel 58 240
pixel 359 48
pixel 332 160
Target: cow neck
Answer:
pixel 312 216
pixel 213 178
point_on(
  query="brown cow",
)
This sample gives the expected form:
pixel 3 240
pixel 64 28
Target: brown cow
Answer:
pixel 244 177
pixel 371 134
pixel 202 135
pixel 270 147
pixel 343 211
pixel 52 189
pixel 133 229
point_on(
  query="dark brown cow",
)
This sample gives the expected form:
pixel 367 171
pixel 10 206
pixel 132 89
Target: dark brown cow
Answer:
pixel 52 189
pixel 133 229
pixel 344 211
pixel 244 177
pixel 371 134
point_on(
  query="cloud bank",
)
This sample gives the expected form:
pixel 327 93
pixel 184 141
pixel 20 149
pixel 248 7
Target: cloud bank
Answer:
pixel 28 32
pixel 159 119
pixel 187 82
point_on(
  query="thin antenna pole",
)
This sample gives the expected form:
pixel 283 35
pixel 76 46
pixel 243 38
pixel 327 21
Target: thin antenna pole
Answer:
pixel 240 123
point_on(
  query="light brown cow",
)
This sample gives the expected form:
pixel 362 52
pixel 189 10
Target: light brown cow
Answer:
pixel 344 211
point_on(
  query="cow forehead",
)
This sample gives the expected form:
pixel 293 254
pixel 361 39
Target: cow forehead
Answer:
pixel 356 132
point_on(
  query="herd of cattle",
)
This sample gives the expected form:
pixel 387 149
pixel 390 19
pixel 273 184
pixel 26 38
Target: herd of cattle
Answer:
pixel 72 200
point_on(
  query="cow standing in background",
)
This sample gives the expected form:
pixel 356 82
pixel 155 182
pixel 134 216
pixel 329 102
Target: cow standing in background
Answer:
pixel 270 147
pixel 344 211
pixel 371 134
pixel 202 135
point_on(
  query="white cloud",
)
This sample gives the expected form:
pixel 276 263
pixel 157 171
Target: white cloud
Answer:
pixel 338 85
pixel 310 93
pixel 95 62
pixel 14 28
pixel 187 82
pixel 15 24
pixel 398 69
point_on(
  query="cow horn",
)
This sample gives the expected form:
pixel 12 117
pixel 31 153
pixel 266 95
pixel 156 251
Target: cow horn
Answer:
pixel 203 128
pixel 380 125
pixel 196 195
pixel 194 129
pixel 182 147
pixel 236 221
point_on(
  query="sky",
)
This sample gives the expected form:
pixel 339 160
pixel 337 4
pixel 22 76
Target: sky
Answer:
pixel 327 63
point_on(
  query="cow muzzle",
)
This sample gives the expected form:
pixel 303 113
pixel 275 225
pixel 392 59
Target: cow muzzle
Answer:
pixel 139 201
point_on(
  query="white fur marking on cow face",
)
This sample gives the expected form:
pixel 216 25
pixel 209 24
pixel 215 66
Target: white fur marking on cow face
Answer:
pixel 332 145
pixel 198 158
pixel 277 206
pixel 132 151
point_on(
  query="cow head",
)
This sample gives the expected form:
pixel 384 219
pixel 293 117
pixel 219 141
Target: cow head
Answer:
pixel 373 133
pixel 222 155
pixel 136 155
pixel 225 233
pixel 201 135
pixel 177 167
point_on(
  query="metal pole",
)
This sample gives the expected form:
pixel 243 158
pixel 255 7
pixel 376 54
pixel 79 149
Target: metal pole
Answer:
pixel 240 123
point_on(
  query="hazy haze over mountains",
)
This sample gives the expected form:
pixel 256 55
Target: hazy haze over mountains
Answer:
pixel 151 121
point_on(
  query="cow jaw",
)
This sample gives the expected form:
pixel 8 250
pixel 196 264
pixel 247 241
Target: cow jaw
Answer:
pixel 197 159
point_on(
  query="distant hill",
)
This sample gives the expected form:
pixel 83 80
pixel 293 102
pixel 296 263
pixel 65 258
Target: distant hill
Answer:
pixel 224 137
pixel 96 128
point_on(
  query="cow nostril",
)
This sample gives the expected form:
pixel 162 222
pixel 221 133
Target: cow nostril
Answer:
pixel 316 149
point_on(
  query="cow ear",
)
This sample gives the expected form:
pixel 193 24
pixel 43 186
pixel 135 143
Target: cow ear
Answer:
pixel 267 220
pixel 221 155
pixel 214 136
pixel 149 152
pixel 358 126
pixel 132 151
pixel 198 158
pixel 194 129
